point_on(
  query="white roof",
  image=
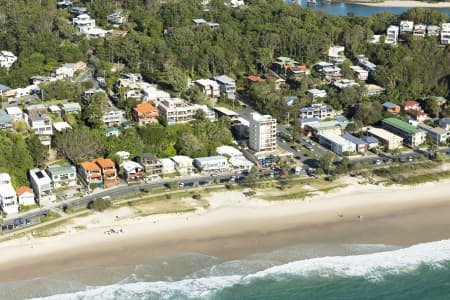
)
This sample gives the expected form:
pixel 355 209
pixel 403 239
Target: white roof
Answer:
pixel 123 153
pixel 226 111
pixel 54 108
pixel 207 82
pixel 240 161
pixel 228 150
pixel 40 176
pixel 182 159
pixel 5 178
pixel 6 190
pixel 207 159
pixel 336 139
pixel 131 166
pixel 257 117
pixel 317 92
pixel 7 53
pixel 14 110
pixel 383 134
pixel 60 126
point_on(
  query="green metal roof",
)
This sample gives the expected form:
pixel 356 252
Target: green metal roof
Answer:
pixel 60 170
pixel 401 125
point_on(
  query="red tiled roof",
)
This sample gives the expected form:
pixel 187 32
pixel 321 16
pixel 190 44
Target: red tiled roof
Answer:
pixel 24 189
pixel 254 78
pixel 145 107
pixel 104 162
pixel 89 166
pixel 410 103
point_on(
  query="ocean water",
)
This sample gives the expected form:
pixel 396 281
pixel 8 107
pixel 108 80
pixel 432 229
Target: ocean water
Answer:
pixel 321 272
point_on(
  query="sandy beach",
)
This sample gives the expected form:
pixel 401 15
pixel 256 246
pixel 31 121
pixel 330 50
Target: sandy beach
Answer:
pixel 235 225
pixel 405 3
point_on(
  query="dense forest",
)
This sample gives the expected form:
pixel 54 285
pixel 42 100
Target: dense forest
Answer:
pixel 168 49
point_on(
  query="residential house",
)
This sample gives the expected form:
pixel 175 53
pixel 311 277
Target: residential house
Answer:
pixel 145 113
pixel 65 71
pixel 123 155
pixel 25 196
pixel 227 86
pixel 328 70
pixel 212 164
pixel 61 126
pixel 254 78
pixel 111 131
pixel 209 113
pixel 54 109
pixel 360 73
pixel 282 64
pixel 392 35
pixel 78 10
pixel 64 4
pixel 211 25
pixel 15 112
pixel 168 166
pixel 335 54
pixel 6 121
pixel 445 123
pixel 62 175
pixel 41 125
pixel 7 59
pixel 36 110
pixel 8 197
pixel 132 170
pixel 418 115
pixel 445 34
pixel 391 107
pixel 42 186
pixel 336 143
pixel 436 134
pixel 152 165
pixel 176 110
pixel 320 128
pixel 372 142
pixel 376 39
pixel 374 90
pixel 86 25
pixel 297 71
pixel 344 83
pixel 209 87
pixel 412 136
pixel 411 105
pixel 318 111
pixel 290 100
pixel 307 121
pixel 406 26
pixel 420 30
pixel 117 18
pixel 90 173
pixel 361 145
pixel 366 63
pixel 183 164
pixel 433 30
pixel 236 158
pixel 262 132
pixel 108 169
pixel 315 94
pixel 112 116
pixel 390 140
pixel 71 108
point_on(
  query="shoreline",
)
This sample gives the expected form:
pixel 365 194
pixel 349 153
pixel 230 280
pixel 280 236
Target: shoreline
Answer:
pixel 402 3
pixel 235 226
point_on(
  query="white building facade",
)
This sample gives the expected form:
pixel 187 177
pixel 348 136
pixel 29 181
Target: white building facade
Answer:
pixel 262 132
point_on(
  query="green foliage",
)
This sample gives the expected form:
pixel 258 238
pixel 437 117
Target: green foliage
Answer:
pixel 99 204
pixel 38 152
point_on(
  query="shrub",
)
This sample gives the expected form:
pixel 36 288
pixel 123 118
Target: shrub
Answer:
pixel 99 204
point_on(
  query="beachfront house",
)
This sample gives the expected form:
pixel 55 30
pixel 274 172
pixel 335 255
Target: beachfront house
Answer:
pixel 90 173
pixel 433 30
pixel 108 170
pixel 361 145
pixel 152 165
pixel 132 170
pixel 212 164
pixel 25 196
pixel 336 143
pixel 412 136
pixel 390 140
pixel 8 197
pixel 445 34
pixel 436 134
pixel 183 164
pixel 42 186
pixel 62 175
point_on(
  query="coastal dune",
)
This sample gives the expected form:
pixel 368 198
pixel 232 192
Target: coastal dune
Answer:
pixel 235 226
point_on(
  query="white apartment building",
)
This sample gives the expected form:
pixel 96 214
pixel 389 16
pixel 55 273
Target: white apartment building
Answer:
pixel 42 185
pixel 262 132
pixel 209 87
pixel 183 164
pixel 445 34
pixel 227 86
pixel 7 59
pixel 334 54
pixel 8 197
pixel 318 111
pixel 176 110
pixel 112 116
pixel 209 164
pixel 86 25
pixel 392 35
pixel 360 73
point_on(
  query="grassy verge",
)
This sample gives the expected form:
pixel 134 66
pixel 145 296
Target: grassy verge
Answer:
pixel 423 178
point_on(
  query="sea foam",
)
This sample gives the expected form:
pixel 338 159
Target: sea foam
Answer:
pixel 370 266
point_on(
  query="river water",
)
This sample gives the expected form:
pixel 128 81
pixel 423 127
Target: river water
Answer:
pixel 342 9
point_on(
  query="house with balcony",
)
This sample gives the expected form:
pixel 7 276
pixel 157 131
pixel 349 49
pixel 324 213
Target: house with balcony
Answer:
pixel 336 143
pixel 71 108
pixel 282 64
pixel 445 34
pixel 433 30
pixel 366 63
pixel 36 110
pixel 314 94
pixel 420 30
pixel 336 54
pixel 108 170
pixel 183 164
pixel 344 83
pixel 436 134
pixel 7 59
pixel 62 175
pixel 8 197
pixel 15 112
pixel 209 87
pixel 360 73
pixel 86 25
pixel 227 86
pixel 90 173
pixel 176 110
pixel 212 164
pixel 117 18
pixel 152 165
pixel 42 186
pixel 411 105
pixel 112 116
pixel 391 107
pixel 41 125
pixel 392 35
pixel 412 136
pixel 318 111
pixel 132 170
pixel 406 26
pixel 145 113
